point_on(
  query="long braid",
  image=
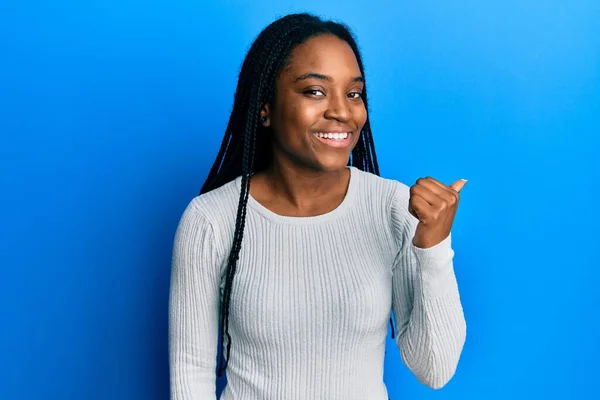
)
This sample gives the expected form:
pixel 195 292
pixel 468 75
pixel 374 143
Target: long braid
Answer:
pixel 244 134
pixel 247 162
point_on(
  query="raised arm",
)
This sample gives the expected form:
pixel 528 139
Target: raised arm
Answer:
pixel 426 302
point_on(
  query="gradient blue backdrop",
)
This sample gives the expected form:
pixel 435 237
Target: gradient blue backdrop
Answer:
pixel 111 113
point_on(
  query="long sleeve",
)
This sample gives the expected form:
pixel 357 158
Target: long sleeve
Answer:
pixel 193 309
pixel 426 304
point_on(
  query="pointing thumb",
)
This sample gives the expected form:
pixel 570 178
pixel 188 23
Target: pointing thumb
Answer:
pixel 458 185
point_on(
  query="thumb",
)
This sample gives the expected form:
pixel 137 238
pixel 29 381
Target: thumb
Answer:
pixel 458 185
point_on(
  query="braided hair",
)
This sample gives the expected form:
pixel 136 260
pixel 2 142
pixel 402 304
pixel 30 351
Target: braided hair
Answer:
pixel 246 147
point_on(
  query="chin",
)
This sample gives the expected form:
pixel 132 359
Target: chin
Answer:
pixel 332 164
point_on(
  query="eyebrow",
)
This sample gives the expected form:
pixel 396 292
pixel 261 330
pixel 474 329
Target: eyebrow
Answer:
pixel 322 77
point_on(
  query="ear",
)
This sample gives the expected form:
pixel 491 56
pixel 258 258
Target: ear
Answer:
pixel 265 115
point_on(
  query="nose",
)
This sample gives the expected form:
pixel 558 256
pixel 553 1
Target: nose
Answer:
pixel 337 108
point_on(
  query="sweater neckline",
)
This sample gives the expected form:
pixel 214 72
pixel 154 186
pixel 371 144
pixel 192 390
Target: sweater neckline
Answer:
pixel 316 219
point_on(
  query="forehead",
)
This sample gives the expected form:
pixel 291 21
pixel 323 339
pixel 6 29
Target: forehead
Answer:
pixel 326 54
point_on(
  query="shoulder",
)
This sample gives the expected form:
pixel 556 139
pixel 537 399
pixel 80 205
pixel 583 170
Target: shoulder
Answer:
pixel 216 211
pixel 390 192
pixel 218 203
pixel 389 198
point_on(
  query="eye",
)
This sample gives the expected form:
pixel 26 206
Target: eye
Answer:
pixel 314 92
pixel 355 95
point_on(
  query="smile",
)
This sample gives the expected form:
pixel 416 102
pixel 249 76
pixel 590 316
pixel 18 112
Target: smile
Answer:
pixel 337 139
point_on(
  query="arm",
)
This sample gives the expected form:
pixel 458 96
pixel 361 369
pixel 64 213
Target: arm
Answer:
pixel 426 304
pixel 193 309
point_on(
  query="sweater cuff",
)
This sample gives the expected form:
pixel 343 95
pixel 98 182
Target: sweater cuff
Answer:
pixel 435 263
pixel 435 254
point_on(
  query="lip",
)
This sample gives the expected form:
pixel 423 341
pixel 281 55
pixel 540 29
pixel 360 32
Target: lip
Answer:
pixel 335 131
pixel 337 144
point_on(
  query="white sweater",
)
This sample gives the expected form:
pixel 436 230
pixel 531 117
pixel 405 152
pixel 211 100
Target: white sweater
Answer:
pixel 311 298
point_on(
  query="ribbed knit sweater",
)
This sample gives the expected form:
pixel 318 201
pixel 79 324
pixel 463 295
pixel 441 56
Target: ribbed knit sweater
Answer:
pixel 311 298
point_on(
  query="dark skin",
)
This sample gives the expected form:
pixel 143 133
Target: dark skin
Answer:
pixel 320 91
pixel 307 177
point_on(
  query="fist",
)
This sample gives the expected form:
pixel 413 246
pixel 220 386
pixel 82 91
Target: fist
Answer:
pixel 434 205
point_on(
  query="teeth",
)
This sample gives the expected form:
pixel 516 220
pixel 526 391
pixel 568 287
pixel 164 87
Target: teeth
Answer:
pixel 333 136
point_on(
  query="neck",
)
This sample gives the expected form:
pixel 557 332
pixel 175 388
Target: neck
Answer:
pixel 306 188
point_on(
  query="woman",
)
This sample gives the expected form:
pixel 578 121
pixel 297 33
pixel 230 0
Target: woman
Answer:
pixel 299 251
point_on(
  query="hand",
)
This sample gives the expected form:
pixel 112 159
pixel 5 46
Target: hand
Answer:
pixel 434 205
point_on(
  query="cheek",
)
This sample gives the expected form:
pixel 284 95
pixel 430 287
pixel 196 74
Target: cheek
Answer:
pixel 296 119
pixel 360 115
pixel 305 114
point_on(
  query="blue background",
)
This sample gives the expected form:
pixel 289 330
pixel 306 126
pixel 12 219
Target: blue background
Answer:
pixel 111 113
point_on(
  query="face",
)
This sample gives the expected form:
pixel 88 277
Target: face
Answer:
pixel 318 111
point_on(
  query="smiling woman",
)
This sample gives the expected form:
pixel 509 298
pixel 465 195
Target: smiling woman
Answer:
pixel 299 250
pixel 318 95
pixel 316 116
